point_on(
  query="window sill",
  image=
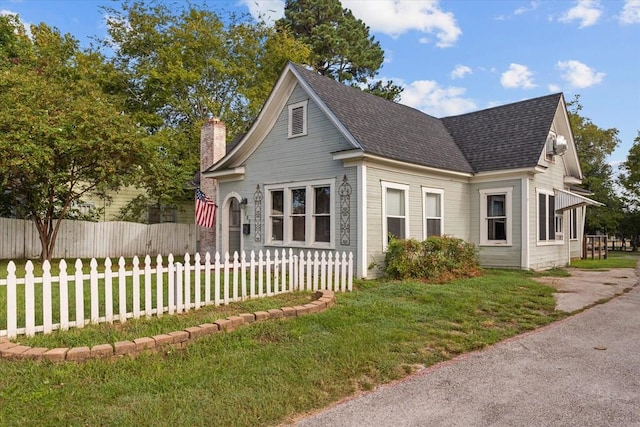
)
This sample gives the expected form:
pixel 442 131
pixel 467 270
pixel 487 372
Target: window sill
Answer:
pixel 550 243
pixel 329 247
pixel 496 244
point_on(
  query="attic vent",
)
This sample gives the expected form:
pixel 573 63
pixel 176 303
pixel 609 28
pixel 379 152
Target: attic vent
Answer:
pixel 298 119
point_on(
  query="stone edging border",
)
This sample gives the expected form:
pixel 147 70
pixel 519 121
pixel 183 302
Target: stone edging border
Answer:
pixel 177 339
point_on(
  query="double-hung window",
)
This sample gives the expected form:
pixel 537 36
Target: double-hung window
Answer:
pixel 432 201
pixel 495 216
pixel 549 224
pixel 300 214
pixel 395 208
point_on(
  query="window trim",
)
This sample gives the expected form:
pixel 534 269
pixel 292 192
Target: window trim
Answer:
pixel 440 192
pixel 287 232
pixel 548 241
pixel 508 193
pixel 573 224
pixel 385 185
pixel 291 108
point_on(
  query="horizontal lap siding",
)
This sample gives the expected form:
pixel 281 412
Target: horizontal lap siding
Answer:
pixel 498 256
pixel 546 256
pixel 456 207
pixel 279 159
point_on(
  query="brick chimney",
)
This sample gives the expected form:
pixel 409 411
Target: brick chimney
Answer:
pixel 213 147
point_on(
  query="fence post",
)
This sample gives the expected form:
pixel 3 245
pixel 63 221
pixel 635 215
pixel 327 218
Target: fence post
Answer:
pixel 178 288
pixel 147 287
pixel 122 290
pixel 12 301
pixel 136 287
pixel 64 296
pixel 159 286
pixel 187 282
pixel 93 283
pixel 171 286
pixel 79 294
pixel 47 309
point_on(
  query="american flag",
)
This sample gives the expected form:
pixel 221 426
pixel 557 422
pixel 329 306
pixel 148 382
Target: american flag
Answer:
pixel 205 210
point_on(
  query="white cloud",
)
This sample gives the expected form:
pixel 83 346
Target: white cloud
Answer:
pixel 517 76
pixel 586 11
pixel 630 12
pixel 268 10
pixel 522 10
pixel 553 88
pixel 579 75
pixel 391 17
pixel 460 71
pixel 396 17
pixel 26 25
pixel 431 98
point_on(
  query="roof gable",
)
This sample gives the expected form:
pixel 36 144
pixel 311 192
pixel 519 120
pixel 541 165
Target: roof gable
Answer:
pixel 386 128
pixel 510 136
pixel 506 137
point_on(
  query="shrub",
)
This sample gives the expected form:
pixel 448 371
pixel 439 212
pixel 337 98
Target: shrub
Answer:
pixel 437 259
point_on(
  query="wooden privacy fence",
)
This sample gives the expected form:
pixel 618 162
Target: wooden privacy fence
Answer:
pixel 84 239
pixel 117 293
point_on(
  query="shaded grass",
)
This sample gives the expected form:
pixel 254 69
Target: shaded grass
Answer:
pixel 266 373
pixel 614 260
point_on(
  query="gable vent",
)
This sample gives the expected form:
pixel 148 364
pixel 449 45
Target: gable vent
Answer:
pixel 297 121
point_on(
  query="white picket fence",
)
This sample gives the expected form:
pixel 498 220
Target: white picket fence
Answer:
pixel 156 289
pixel 83 239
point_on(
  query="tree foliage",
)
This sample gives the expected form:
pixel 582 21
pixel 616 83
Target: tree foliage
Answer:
pixel 630 181
pixel 630 176
pixel 341 46
pixel 185 65
pixel 61 134
pixel 594 145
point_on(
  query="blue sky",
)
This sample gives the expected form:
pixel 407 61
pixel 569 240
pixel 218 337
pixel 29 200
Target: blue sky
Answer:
pixel 458 56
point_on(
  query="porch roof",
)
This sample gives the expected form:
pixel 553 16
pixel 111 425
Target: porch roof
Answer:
pixel 568 200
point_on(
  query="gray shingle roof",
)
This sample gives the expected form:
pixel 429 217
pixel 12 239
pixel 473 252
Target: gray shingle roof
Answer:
pixel 504 137
pixel 389 129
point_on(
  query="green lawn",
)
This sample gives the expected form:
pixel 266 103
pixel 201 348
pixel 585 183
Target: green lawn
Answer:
pixel 266 373
pixel 615 259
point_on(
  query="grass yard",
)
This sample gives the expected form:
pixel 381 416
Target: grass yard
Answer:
pixel 267 373
pixel 615 259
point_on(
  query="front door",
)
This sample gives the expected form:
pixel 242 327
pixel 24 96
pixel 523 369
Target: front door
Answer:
pixel 234 227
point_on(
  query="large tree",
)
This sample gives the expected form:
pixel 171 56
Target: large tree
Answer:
pixel 185 65
pixel 630 173
pixel 62 135
pixel 630 182
pixel 341 46
pixel 594 145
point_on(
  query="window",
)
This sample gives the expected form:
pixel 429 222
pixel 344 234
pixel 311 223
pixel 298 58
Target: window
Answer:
pixel 573 224
pixel 495 214
pixel 159 214
pixel 549 226
pixel 395 205
pixel 433 211
pixel 297 119
pixel 300 214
